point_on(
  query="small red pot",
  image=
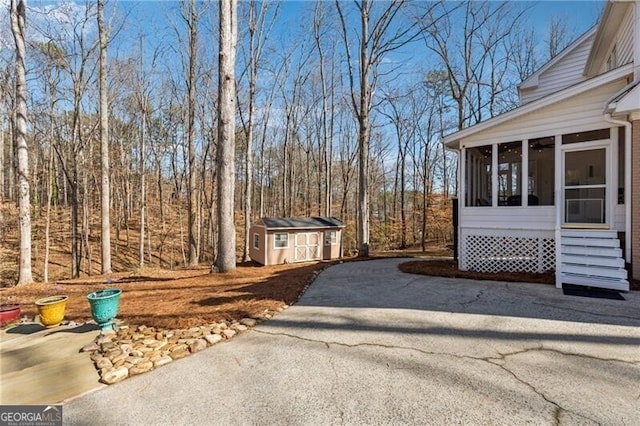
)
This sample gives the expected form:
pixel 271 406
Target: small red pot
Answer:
pixel 9 314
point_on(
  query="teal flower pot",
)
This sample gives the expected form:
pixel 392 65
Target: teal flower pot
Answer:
pixel 104 306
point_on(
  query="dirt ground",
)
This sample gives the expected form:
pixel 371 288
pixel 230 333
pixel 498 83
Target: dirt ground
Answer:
pixel 190 297
pixel 178 299
pixel 448 268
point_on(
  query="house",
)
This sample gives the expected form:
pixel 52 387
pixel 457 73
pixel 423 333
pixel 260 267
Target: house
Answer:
pixel 554 185
pixel 278 240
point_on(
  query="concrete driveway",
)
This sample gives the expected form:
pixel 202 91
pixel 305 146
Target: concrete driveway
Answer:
pixel 368 344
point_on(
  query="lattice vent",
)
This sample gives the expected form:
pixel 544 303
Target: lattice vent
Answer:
pixel 490 253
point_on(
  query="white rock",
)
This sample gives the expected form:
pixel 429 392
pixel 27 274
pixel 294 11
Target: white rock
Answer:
pixel 197 346
pixel 249 322
pixel 162 361
pixel 228 333
pixel 104 363
pixel 115 375
pixel 212 339
pixel 90 347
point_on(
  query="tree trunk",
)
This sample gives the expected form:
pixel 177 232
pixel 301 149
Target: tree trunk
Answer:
pixel 105 202
pixel 226 260
pixel 24 204
pixel 191 101
pixel 363 136
pixel 143 198
pixel 47 229
pixel 253 71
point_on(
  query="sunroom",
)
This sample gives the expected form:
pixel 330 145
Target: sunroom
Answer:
pixel 543 188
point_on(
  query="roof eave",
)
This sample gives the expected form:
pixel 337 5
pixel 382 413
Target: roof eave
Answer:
pixel 454 139
pixel 613 11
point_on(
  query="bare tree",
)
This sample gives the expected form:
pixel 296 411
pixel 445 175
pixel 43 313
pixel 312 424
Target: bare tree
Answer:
pixel 105 202
pixel 559 36
pixel 471 39
pixel 378 35
pixel 226 260
pixel 258 29
pixel 18 12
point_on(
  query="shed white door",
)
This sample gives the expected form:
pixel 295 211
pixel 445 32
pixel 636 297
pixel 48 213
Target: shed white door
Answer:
pixel 307 246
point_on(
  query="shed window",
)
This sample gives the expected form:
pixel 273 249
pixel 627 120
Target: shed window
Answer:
pixel 281 240
pixel 330 238
pixel 256 241
pixel 478 176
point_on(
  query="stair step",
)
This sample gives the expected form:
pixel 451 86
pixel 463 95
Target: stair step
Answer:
pixel 590 242
pixel 583 233
pixel 592 251
pixel 611 262
pixel 595 271
pixel 614 284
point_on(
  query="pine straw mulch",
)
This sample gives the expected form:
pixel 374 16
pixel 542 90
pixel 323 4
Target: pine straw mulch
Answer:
pixel 448 268
pixel 178 299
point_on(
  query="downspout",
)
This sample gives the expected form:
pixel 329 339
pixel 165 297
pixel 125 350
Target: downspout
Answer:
pixel 627 183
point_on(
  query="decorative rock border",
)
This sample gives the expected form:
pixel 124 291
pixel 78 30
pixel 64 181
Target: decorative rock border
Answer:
pixel 133 350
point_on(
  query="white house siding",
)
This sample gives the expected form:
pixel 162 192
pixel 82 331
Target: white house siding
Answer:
pixel 619 217
pixel 503 217
pixel 623 41
pixel 625 38
pixel 523 238
pixel 579 113
pixel 565 73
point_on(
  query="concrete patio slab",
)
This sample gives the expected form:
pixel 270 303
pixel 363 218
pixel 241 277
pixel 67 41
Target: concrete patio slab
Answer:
pixel 368 344
pixel 44 366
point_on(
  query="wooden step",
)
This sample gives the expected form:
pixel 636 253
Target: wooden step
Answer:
pixel 613 284
pixel 590 242
pixel 595 271
pixel 592 251
pixel 589 233
pixel 608 261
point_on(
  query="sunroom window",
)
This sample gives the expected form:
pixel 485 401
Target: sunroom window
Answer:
pixel 541 171
pixel 478 176
pixel 510 174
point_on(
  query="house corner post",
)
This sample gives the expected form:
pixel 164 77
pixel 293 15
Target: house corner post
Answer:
pixel 635 197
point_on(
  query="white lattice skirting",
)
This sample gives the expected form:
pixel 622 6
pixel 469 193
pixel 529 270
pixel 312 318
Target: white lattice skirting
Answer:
pixel 512 253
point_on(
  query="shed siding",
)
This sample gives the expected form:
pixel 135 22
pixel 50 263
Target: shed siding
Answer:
pixel 563 74
pixel 268 254
pixel 259 255
pixel 579 113
pixel 332 251
pixel 278 256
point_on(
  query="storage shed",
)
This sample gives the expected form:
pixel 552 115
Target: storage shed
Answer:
pixel 278 240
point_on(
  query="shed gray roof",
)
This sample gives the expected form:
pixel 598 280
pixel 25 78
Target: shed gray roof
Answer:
pixel 302 222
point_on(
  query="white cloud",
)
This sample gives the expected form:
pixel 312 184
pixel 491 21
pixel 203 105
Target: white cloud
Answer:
pixel 45 22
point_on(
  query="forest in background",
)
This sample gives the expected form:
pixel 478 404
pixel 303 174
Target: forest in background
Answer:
pixel 392 77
